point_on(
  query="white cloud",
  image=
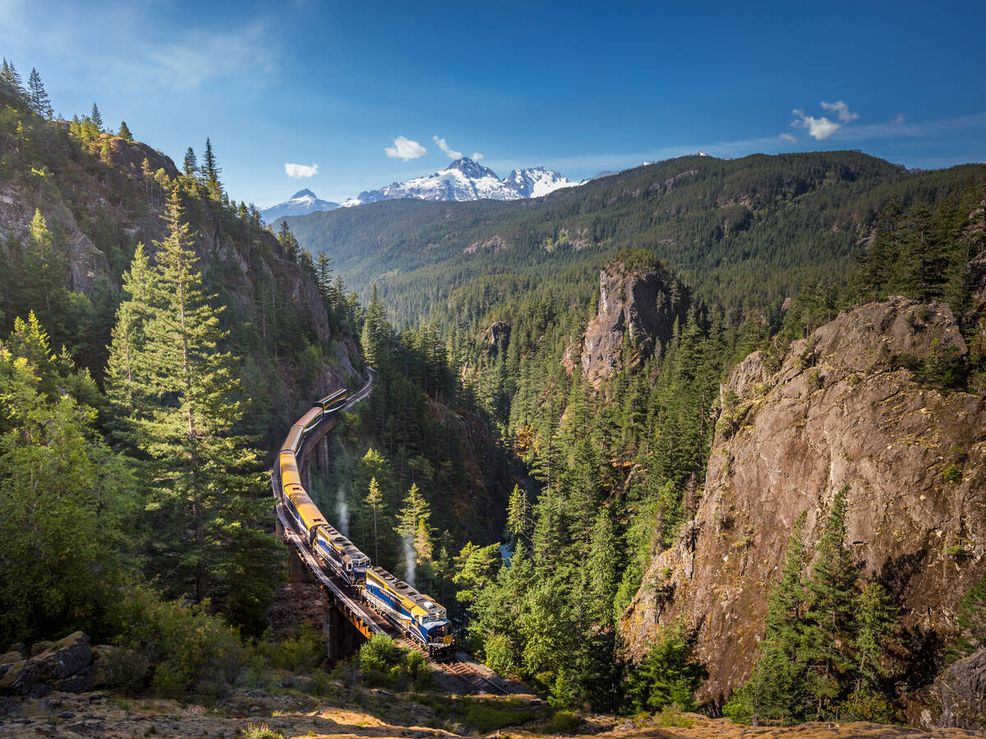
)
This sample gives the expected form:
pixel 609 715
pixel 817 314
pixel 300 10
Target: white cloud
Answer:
pixel 406 149
pixel 199 57
pixel 790 138
pixel 898 120
pixel 300 170
pixel 818 128
pixel 841 110
pixel 476 156
pixel 449 151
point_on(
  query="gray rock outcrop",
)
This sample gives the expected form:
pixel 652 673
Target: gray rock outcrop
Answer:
pixel 840 410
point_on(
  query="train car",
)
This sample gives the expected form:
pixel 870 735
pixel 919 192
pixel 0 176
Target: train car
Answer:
pixel 333 401
pixel 310 420
pixel 412 612
pixel 293 441
pixel 341 555
pixel 304 513
pixel 290 475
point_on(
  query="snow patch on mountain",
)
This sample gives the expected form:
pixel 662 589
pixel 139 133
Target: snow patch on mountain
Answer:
pixel 299 204
pixel 464 180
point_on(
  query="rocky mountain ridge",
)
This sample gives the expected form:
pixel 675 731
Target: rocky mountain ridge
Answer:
pixel 466 180
pixel 846 407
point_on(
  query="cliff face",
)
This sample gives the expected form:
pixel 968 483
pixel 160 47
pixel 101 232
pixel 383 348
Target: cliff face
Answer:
pixel 839 411
pixel 638 305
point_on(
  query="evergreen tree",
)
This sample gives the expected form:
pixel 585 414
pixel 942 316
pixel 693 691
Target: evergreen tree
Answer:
pixel 10 76
pixel 124 381
pixel 323 275
pixel 775 690
pixel 830 610
pixel 292 249
pixel 96 117
pixel 205 486
pixel 47 265
pixel 190 164
pixel 876 626
pixel 518 514
pixel 124 132
pixel 211 170
pixel 37 96
pixel 668 675
pixel 374 499
pixel 413 523
pixel 603 567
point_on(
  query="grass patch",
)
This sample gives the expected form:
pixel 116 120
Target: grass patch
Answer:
pixel 483 713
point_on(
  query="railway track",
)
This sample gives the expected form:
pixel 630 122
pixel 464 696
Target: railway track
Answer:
pixel 473 675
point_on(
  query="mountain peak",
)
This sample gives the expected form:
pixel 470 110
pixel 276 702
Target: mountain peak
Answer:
pixel 299 204
pixel 471 168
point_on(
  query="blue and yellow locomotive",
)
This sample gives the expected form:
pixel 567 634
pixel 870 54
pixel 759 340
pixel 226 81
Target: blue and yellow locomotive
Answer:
pixel 412 612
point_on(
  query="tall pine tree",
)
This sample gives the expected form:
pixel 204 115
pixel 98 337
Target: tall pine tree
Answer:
pixel 206 508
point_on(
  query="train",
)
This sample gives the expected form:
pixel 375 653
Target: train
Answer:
pixel 414 614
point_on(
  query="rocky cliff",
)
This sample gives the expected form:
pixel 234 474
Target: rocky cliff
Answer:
pixel 841 410
pixel 639 303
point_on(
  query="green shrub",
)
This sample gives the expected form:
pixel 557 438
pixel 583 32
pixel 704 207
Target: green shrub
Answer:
pixel 864 705
pixel 952 473
pixel 673 716
pixel 302 652
pixel 739 707
pixel 190 650
pixel 565 722
pixel 668 675
pixel 385 664
pixel 260 731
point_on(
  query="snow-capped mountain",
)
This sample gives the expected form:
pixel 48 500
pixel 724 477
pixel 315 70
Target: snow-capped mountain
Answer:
pixel 465 179
pixel 536 182
pixel 301 203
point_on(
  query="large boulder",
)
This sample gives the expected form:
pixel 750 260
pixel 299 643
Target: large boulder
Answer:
pixel 960 693
pixel 65 665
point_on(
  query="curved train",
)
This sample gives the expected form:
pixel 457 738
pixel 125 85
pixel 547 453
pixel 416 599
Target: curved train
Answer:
pixel 413 613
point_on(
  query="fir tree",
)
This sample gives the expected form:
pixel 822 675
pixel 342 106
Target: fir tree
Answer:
pixel 290 245
pixel 374 499
pixel 190 164
pixel 603 567
pixel 45 261
pixel 518 514
pixel 124 132
pixel 205 482
pixel 413 523
pixel 10 76
pixel 210 169
pixel 37 96
pixel 831 610
pixel 124 385
pixel 96 117
pixel 323 275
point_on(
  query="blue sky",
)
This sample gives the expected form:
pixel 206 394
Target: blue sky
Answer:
pixel 578 86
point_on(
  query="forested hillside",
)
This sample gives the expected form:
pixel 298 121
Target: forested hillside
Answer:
pixel 155 341
pixel 602 368
pixel 745 233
